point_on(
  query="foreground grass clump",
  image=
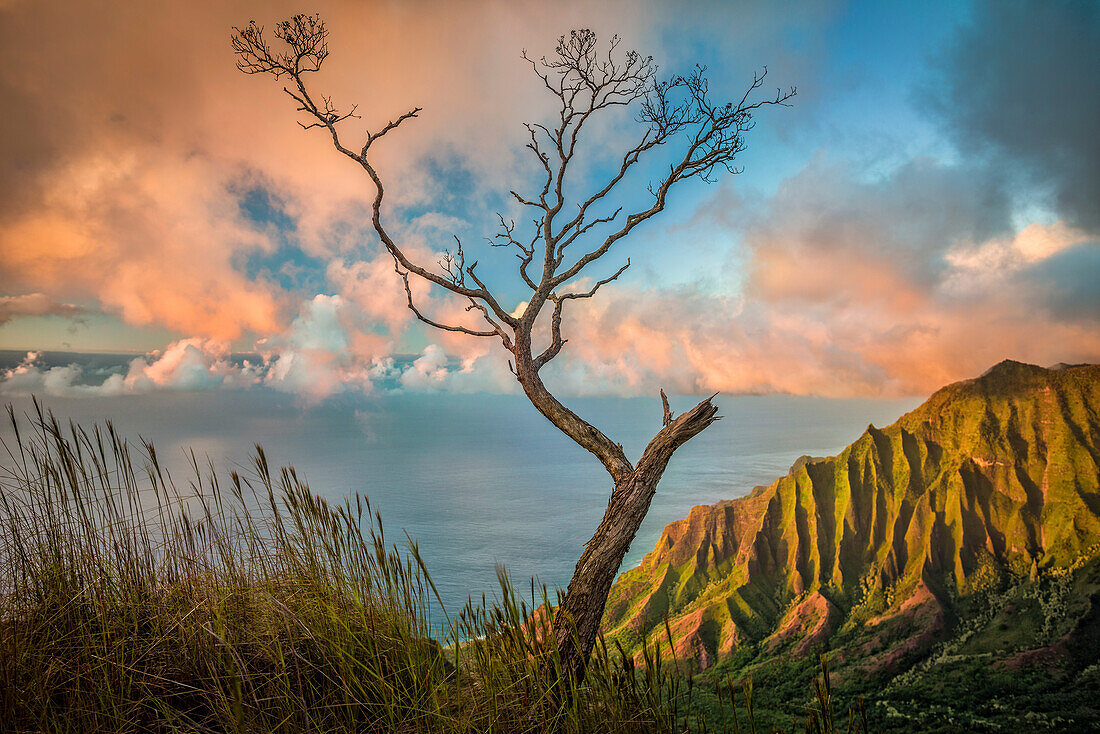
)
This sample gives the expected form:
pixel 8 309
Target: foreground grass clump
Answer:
pixel 251 604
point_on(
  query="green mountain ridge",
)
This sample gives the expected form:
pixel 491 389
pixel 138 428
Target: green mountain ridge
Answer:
pixel 888 549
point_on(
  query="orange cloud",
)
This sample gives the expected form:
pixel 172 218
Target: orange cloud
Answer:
pixel 889 287
pixel 154 245
pixel 688 342
pixel 130 130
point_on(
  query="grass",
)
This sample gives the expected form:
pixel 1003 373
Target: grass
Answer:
pixel 246 603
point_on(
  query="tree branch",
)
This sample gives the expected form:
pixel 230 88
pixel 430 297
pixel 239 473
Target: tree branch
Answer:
pixel 430 322
pixel 557 342
pixel 675 433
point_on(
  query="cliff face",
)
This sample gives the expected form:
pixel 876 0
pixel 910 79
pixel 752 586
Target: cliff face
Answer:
pixel 993 477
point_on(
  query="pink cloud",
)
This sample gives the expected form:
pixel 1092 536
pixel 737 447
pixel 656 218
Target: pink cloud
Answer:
pixel 127 160
pixel 889 287
pixel 154 245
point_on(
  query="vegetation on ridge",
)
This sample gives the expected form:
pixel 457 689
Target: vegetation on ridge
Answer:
pixel 963 533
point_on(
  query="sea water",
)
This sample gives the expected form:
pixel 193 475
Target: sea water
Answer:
pixel 483 480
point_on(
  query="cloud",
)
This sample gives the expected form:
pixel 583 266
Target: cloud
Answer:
pixel 1019 84
pixel 339 344
pixel 1066 282
pixel 28 378
pixel 123 175
pixel 689 342
pixel 321 353
pixel 830 235
pixel 428 371
pixel 319 364
pixel 435 370
pixel 152 244
pixel 37 304
pixel 126 177
pixel 189 364
pixel 920 276
pixel 692 342
pixel 853 286
pixel 376 290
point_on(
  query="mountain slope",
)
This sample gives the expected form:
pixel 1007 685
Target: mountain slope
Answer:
pixel 992 481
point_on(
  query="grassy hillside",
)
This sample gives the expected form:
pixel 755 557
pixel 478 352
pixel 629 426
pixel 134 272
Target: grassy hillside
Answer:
pixel 915 539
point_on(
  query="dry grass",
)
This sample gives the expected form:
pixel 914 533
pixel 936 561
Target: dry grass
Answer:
pixel 251 604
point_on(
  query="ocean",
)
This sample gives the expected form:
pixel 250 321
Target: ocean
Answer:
pixel 482 480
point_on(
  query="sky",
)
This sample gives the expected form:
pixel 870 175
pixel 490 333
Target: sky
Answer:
pixel 929 205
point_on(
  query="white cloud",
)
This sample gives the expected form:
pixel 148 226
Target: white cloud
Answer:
pixel 429 370
pixel 30 377
pixel 188 364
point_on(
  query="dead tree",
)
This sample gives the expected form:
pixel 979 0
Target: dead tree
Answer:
pixel 700 138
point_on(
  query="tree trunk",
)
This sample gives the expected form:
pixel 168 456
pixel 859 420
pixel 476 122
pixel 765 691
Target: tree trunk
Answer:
pixel 577 619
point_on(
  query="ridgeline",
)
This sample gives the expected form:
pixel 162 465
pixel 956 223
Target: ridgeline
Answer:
pixel 964 535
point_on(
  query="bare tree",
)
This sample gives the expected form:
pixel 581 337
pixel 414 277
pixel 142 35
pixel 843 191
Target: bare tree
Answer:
pixel 701 138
